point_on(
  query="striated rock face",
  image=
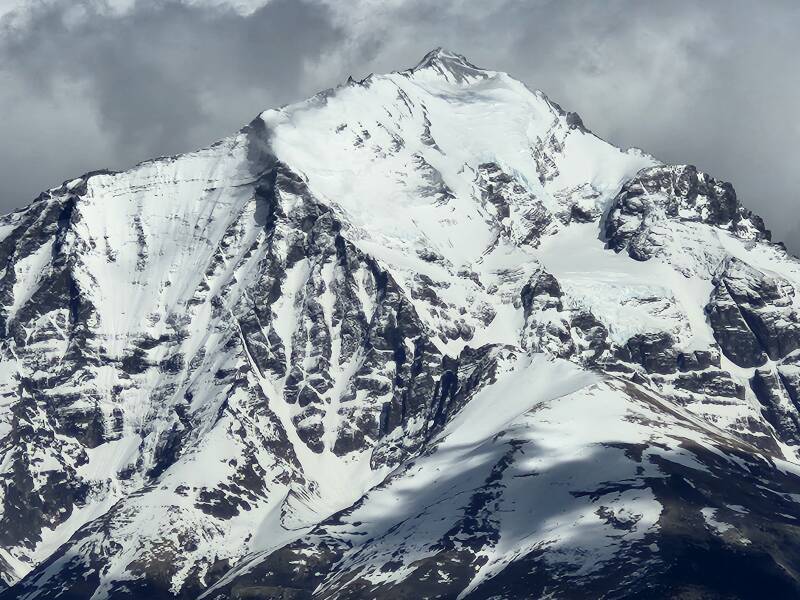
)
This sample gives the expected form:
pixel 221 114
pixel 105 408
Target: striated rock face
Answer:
pixel 660 205
pixel 420 336
pixel 523 220
pixel 762 308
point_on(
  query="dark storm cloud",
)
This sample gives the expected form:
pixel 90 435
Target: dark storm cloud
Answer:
pixel 84 87
pixel 712 83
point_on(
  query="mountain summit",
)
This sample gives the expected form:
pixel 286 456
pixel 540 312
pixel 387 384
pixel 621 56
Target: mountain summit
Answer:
pixel 419 336
pixel 452 66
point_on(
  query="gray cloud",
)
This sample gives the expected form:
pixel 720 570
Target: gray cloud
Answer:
pixel 709 83
pixel 90 88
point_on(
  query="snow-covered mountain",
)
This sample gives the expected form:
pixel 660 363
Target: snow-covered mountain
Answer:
pixel 420 336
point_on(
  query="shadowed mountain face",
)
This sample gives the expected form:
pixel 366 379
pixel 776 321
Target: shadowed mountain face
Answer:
pixel 420 336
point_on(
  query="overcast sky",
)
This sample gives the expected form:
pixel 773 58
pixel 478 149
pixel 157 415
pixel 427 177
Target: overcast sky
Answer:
pixel 107 83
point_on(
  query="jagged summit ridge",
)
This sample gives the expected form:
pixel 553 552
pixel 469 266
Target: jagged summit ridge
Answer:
pixel 421 336
pixel 451 65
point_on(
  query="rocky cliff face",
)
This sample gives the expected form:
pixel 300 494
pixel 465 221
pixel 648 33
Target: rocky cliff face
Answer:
pixel 423 335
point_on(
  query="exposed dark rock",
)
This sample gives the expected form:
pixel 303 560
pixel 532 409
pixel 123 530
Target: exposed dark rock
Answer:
pixel 731 330
pixel 542 292
pixel 778 406
pixel 711 382
pixel 656 352
pixel 680 193
pixel 753 315
pixel 698 360
pixel 516 212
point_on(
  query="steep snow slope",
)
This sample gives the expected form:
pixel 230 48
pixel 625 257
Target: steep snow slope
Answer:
pixel 423 335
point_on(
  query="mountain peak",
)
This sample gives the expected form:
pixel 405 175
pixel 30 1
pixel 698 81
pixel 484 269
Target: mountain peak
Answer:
pixel 451 65
pixel 442 55
pixel 433 291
